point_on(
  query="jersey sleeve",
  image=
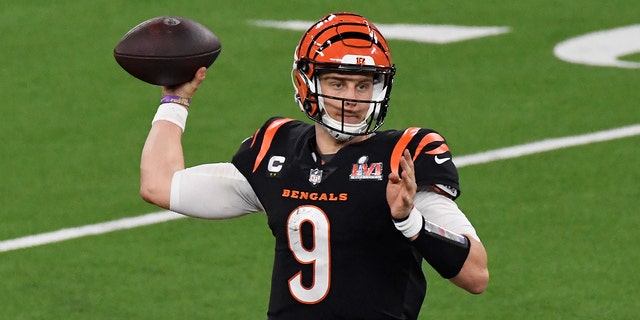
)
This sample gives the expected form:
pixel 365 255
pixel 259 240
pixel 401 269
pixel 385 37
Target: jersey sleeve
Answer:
pixel 253 149
pixel 433 163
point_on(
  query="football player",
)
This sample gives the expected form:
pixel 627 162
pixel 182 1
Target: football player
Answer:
pixel 354 210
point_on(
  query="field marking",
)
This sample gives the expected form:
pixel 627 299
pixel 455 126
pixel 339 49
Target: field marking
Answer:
pixel 547 145
pixel 426 33
pixel 602 48
pixel 88 230
pixel 462 161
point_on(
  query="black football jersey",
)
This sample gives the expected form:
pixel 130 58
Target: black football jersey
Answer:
pixel 338 254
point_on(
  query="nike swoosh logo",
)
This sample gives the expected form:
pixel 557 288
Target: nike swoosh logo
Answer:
pixel 440 160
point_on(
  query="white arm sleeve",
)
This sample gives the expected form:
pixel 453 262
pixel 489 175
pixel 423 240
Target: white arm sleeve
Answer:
pixel 444 212
pixel 213 191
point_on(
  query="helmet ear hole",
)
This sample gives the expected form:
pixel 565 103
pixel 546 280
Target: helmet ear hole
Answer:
pixel 303 66
pixel 308 107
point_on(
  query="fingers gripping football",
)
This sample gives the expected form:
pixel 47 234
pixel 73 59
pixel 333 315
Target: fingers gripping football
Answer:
pixel 188 89
pixel 401 188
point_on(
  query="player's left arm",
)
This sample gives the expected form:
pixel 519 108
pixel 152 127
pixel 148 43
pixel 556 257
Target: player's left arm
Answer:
pixel 460 257
pixel 474 275
pixel 442 214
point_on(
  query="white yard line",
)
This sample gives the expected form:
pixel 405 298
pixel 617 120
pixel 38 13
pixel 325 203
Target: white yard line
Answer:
pixel 88 230
pixel 547 145
pixel 462 161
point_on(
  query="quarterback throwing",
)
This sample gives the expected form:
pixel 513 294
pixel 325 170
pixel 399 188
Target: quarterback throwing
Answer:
pixel 354 210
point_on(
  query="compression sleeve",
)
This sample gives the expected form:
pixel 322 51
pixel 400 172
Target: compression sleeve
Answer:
pixel 444 212
pixel 439 223
pixel 212 191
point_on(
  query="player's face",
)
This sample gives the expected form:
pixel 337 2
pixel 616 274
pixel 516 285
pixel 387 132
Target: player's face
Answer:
pixel 347 86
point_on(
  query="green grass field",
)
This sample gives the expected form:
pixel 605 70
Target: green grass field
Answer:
pixel 560 227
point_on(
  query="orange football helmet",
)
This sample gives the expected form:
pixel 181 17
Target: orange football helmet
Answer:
pixel 342 42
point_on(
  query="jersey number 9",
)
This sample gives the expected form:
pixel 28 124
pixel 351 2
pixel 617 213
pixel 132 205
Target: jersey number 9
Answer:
pixel 317 254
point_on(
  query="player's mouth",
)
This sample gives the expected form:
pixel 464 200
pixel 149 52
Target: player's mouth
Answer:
pixel 349 118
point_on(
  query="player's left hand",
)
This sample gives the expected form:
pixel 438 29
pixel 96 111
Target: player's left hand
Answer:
pixel 401 188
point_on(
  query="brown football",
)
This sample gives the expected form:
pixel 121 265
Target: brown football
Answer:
pixel 167 51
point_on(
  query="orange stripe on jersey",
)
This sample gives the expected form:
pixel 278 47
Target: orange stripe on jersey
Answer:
pixel 401 145
pixel 268 138
pixel 429 138
pixel 255 135
pixel 441 149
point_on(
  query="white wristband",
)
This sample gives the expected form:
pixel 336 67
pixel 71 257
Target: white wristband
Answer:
pixel 173 113
pixel 411 225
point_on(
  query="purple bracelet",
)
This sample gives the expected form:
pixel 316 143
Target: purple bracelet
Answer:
pixel 185 102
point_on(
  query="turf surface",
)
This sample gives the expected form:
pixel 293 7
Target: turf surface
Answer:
pixel 559 227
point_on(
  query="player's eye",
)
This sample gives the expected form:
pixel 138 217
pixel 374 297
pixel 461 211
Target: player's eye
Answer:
pixel 363 86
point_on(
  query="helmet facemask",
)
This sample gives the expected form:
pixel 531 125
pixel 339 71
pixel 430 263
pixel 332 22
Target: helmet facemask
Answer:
pixel 373 120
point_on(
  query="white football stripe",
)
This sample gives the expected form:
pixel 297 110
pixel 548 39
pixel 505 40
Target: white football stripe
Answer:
pixel 413 32
pixel 462 161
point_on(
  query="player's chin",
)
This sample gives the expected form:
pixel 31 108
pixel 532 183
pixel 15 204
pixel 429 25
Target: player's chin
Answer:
pixel 352 120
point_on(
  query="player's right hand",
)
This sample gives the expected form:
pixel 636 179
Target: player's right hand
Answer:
pixel 187 89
